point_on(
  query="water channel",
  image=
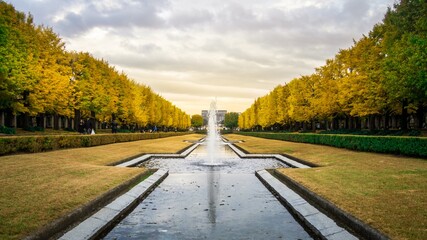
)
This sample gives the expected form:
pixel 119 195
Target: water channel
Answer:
pixel 224 200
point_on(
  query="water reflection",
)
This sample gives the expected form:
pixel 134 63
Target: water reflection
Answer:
pixel 210 202
pixel 213 183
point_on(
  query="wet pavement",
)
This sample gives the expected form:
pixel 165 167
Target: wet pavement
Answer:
pixel 204 200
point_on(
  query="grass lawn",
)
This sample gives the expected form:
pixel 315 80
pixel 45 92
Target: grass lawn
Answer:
pixel 41 187
pixel 386 191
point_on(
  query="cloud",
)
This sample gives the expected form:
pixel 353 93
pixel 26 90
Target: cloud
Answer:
pixel 191 51
pixel 72 18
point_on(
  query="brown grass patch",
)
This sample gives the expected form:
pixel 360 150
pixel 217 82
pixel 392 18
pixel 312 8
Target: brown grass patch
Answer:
pixel 39 188
pixel 386 191
pixel 108 154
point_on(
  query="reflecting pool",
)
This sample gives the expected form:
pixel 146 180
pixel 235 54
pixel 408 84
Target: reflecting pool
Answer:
pixel 200 201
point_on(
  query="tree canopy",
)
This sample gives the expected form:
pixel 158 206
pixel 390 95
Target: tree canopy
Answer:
pixel 196 120
pixel 382 75
pixel 38 76
pixel 231 120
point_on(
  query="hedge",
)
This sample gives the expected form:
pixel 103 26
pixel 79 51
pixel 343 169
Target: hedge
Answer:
pixel 7 130
pixel 409 146
pixel 32 144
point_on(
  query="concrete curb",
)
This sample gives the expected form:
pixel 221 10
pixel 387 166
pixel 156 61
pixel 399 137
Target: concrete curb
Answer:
pixel 284 158
pixel 177 154
pixel 360 228
pixel 190 146
pixel 310 164
pixel 95 225
pixel 55 228
pixel 318 223
pixel 142 158
pixel 290 162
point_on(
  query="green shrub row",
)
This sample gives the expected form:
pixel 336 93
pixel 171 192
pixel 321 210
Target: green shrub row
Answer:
pixel 32 144
pixel 412 132
pixel 7 130
pixel 34 129
pixel 410 146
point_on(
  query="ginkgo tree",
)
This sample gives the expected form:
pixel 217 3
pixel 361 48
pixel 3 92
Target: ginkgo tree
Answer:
pixel 38 78
pixel 382 77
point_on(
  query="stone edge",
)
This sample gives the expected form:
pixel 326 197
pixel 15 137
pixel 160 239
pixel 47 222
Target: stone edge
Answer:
pixel 153 183
pixel 299 160
pixel 60 225
pixel 360 228
pixel 287 161
pixel 56 228
pixel 142 154
pixel 302 161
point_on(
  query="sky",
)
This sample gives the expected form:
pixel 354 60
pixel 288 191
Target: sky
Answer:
pixel 192 52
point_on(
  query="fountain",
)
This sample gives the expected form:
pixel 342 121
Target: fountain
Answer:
pixel 211 194
pixel 213 139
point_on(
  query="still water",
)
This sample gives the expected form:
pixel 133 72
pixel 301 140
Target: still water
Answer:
pixel 199 201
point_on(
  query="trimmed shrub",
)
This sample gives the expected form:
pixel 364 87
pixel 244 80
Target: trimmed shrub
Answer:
pixel 410 146
pixel 7 130
pixel 34 144
pixel 34 129
pixel 374 132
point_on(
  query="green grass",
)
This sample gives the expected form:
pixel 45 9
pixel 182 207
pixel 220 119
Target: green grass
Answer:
pixel 386 191
pixel 41 187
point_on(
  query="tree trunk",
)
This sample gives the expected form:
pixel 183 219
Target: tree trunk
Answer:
pixel 371 122
pixel 14 121
pixel 2 118
pixel 335 123
pixel 70 123
pixel 358 123
pixel 393 122
pixel 77 117
pixel 51 121
pixel 8 118
pixel 420 116
pixel 351 124
pixel 404 117
pixel 386 121
pixel 26 121
pixel 56 122
pixel 93 119
pixel 377 122
pixel 347 122
pixel 295 126
pixel 304 126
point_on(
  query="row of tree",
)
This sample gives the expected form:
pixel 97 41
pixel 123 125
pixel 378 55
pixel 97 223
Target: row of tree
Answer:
pixel 379 82
pixel 230 120
pixel 39 77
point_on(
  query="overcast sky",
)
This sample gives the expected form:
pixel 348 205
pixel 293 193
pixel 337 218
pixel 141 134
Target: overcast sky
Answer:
pixel 193 51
